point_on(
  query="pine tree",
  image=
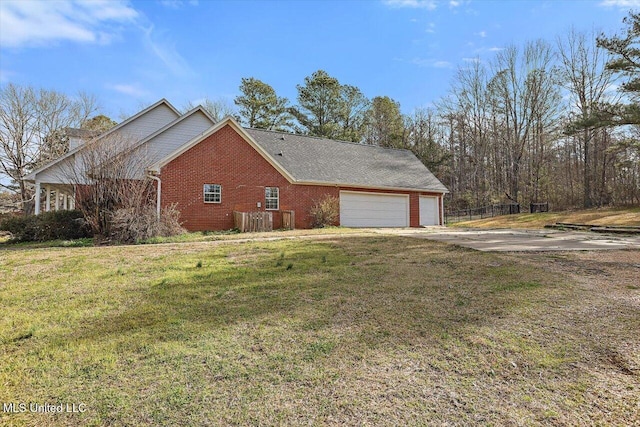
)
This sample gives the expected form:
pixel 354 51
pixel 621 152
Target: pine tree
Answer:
pixel 260 107
pixel 626 61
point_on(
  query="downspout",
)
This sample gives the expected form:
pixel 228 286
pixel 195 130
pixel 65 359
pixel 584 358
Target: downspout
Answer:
pixel 158 193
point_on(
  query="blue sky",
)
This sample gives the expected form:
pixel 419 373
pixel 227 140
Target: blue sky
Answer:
pixel 132 53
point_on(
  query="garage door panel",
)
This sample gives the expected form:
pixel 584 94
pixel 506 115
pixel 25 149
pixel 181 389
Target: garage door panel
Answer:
pixel 429 211
pixel 373 210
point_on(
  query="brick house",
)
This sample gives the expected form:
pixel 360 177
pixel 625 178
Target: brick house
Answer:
pixel 209 170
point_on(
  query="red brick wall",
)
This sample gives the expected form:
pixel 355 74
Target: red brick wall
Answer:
pixel 225 158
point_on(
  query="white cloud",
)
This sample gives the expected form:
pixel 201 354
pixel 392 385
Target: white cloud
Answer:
pixel 413 4
pixel 431 28
pixel 620 3
pixel 442 64
pixel 172 4
pixel 454 3
pixel 483 50
pixel 431 63
pixel 38 23
pixel 129 89
pixel 476 60
pixel 6 76
pixel 178 4
pixel 482 34
pixel 166 51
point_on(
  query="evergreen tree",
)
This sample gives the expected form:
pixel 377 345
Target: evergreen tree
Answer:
pixel 626 61
pixel 354 108
pixel 385 124
pixel 319 105
pixel 260 107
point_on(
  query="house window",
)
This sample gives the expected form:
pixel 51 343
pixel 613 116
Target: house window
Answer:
pixel 272 198
pixel 212 193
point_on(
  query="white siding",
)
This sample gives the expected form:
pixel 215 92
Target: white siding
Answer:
pixel 67 171
pixel 429 212
pixel 148 123
pixel 373 209
pixel 170 140
pixel 132 132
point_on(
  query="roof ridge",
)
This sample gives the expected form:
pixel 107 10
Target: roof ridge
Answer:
pixel 329 139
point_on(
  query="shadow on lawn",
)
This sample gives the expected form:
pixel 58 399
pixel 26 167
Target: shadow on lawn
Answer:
pixel 381 289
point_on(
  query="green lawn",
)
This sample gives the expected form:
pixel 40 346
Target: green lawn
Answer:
pixel 350 329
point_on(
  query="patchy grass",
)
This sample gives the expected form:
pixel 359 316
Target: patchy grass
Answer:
pixel 211 236
pixel 602 216
pixel 360 330
pixel 74 243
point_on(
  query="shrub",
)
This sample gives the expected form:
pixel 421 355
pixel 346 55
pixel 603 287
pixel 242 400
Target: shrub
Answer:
pixel 325 211
pixel 132 225
pixel 65 225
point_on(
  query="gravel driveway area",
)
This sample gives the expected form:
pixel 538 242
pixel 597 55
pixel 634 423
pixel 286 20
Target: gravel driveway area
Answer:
pixel 512 240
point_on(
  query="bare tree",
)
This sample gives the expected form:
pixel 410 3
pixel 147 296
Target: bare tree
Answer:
pixel 426 138
pixel 585 76
pixel 217 108
pixel 114 193
pixel 468 114
pixel 526 101
pixel 30 120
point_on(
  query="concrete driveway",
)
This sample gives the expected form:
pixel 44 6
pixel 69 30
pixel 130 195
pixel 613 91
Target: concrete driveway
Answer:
pixel 511 240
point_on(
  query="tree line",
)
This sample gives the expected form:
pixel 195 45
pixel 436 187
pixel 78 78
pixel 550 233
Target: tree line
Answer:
pixel 554 122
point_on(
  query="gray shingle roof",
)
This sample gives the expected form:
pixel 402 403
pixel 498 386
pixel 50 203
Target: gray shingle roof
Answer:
pixel 312 159
pixel 81 133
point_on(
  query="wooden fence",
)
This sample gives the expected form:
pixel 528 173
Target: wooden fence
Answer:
pixel 288 220
pixel 248 222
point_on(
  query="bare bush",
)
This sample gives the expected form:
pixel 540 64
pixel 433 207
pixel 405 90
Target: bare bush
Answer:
pixel 115 194
pixel 325 211
pixel 135 224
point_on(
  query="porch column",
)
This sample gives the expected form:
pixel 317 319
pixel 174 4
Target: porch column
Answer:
pixel 72 202
pixel 57 203
pixel 37 208
pixel 65 201
pixel 47 206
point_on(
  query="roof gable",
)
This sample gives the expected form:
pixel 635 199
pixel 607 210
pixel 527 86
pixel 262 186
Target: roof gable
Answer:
pixel 169 113
pixel 227 121
pixel 171 137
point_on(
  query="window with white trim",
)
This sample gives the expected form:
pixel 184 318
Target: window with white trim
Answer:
pixel 212 193
pixel 271 198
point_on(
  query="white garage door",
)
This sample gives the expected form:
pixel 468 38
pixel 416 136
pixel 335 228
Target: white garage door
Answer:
pixel 429 211
pixel 373 210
